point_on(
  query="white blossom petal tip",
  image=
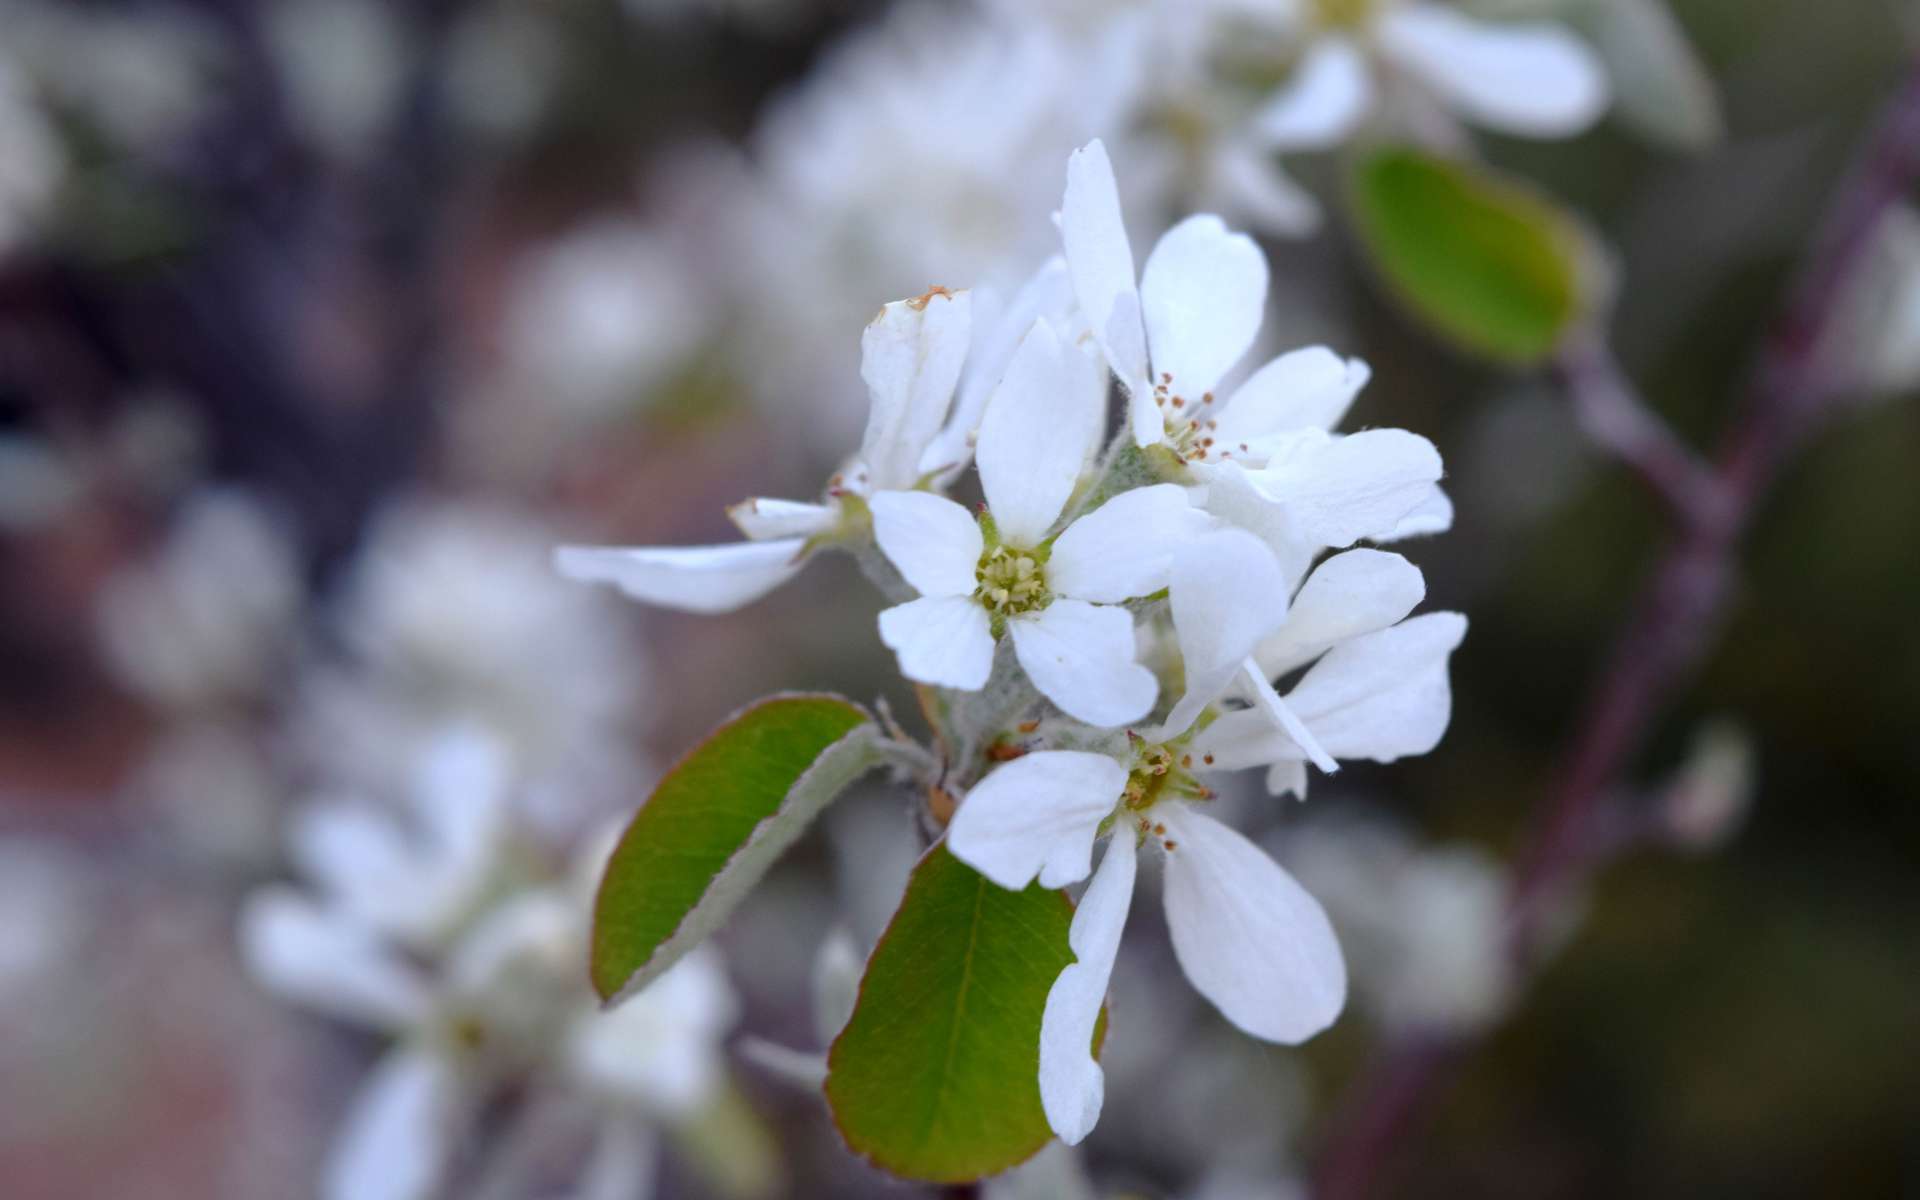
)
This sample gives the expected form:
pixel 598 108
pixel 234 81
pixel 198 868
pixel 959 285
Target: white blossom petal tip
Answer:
pixel 1036 817
pixel 699 579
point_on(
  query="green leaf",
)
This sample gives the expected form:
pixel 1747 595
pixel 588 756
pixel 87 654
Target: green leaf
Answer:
pixel 1489 264
pixel 714 825
pixel 936 1076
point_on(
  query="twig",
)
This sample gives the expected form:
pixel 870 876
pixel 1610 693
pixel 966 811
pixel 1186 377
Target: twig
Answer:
pixel 1672 622
pixel 1615 418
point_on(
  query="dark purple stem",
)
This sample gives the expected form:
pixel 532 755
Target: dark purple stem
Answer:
pixel 1673 620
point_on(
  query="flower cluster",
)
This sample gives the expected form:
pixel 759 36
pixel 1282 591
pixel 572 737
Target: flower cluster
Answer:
pixel 1114 626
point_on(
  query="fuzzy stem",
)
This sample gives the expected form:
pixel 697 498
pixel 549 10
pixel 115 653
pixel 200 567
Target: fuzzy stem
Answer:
pixel 1679 606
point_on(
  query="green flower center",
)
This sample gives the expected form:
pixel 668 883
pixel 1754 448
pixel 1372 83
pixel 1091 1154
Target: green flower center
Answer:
pixel 1011 581
pixel 1344 14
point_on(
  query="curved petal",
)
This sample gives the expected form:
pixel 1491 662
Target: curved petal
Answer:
pixel 1072 1085
pixel 1359 486
pixel 1126 547
pixel 935 543
pixel 1532 79
pixel 946 641
pixel 910 358
pixel 331 965
pixel 399 1135
pixel 761 519
pixel 1100 260
pixel 996 335
pixel 700 579
pixel 1081 657
pixel 1041 427
pixel 1227 594
pixel 1036 817
pixel 1349 594
pixel 1250 183
pixel 1250 939
pixel 1383 695
pixel 1203 293
pixel 1432 515
pixel 1309 388
pixel 1321 104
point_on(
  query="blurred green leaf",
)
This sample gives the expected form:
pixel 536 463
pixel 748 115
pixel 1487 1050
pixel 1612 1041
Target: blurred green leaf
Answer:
pixel 714 825
pixel 936 1077
pixel 1489 265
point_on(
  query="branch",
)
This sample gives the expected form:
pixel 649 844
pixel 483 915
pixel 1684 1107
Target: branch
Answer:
pixel 1673 619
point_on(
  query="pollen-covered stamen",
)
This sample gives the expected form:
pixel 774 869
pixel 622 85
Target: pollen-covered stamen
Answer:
pixel 1160 771
pixel 1011 581
pixel 1188 424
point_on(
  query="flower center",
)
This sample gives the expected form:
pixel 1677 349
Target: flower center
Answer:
pixel 1344 14
pixel 1188 424
pixel 1160 770
pixel 1011 581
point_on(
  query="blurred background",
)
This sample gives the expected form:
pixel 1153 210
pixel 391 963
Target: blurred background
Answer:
pixel 322 321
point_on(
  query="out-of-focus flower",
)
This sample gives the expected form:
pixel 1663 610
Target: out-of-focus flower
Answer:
pixel 1706 802
pixel 343 62
pixel 423 927
pixel 207 621
pixel 1874 340
pixel 452 615
pixel 141 74
pixel 1424 926
pixel 600 315
pixel 905 159
pixel 32 161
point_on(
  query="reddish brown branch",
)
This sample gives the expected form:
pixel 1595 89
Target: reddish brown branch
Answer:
pixel 1673 620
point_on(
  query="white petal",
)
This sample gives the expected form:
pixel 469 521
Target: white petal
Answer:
pixel 701 579
pixel 1072 1085
pixel 1243 738
pixel 935 543
pixel 946 641
pixel 1249 938
pixel 1081 657
pixel 1353 487
pixel 1249 182
pixel 1041 427
pixel 1534 79
pixel 1310 388
pixel 626 1155
pixel 1100 260
pixel 1384 695
pixel 997 334
pixel 1204 293
pixel 1126 547
pixel 330 964
pixel 396 1140
pixel 1432 515
pixel 1036 817
pixel 1231 495
pixel 1349 594
pixel 762 519
pixel 910 357
pixel 1227 595
pixel 1322 103
pixel 1268 701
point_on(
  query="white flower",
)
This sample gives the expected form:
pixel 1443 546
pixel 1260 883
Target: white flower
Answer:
pixel 1266 453
pixel 451 615
pixel 409 935
pixel 1056 596
pixel 911 358
pixel 32 161
pixel 1528 79
pixel 208 619
pixel 1248 938
pixel 1424 926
